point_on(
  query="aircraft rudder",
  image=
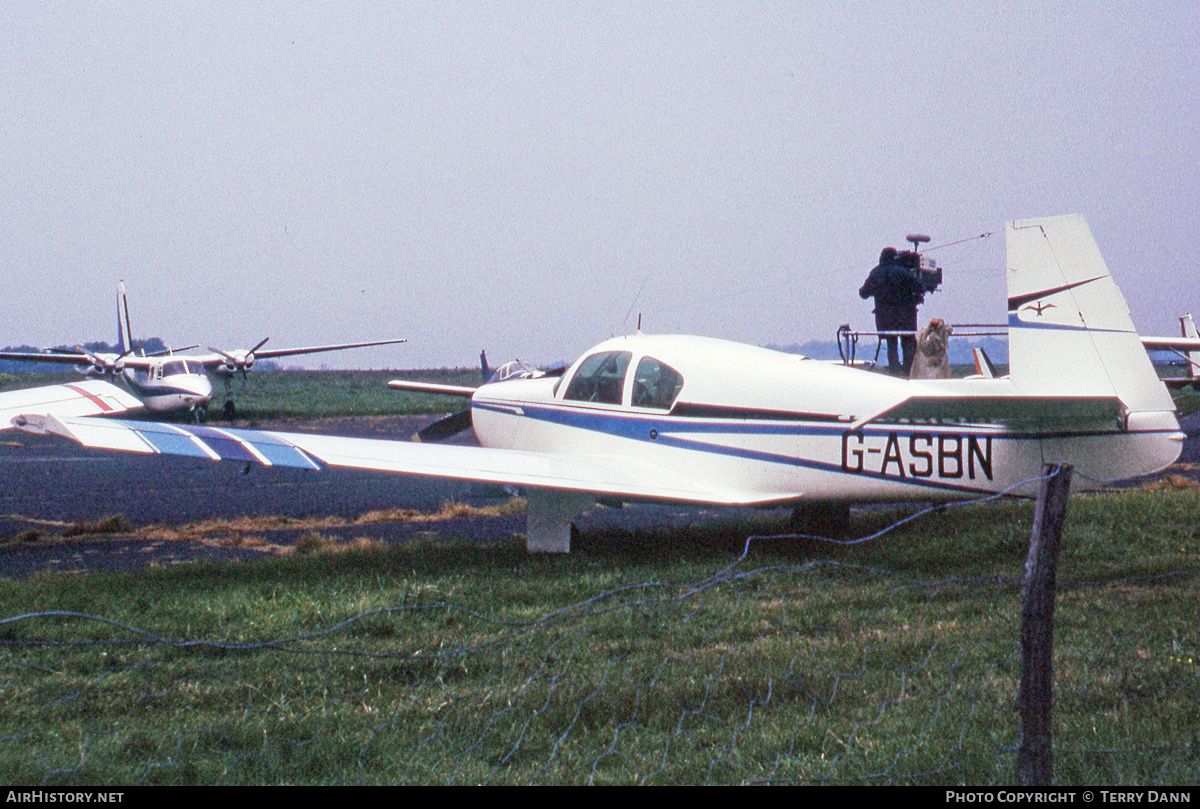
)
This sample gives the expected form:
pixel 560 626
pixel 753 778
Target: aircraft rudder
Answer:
pixel 1070 332
pixel 124 332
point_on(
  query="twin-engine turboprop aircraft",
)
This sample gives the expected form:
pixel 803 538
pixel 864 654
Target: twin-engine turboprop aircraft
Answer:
pixel 697 420
pixel 171 381
pixel 162 382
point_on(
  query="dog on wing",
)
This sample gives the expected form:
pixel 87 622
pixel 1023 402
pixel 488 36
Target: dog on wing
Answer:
pixel 932 360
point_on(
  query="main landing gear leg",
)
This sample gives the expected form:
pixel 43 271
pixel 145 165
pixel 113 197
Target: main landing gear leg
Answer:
pixel 548 517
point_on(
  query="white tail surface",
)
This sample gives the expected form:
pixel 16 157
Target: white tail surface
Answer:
pixel 1069 327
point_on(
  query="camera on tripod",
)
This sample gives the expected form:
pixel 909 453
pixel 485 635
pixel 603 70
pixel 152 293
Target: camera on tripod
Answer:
pixel 926 270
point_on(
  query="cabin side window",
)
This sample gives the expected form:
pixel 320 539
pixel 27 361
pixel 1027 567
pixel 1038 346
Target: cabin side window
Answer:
pixel 600 378
pixel 655 384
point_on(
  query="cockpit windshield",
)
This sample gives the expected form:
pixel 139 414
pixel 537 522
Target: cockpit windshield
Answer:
pixel 600 378
pixel 178 367
pixel 655 384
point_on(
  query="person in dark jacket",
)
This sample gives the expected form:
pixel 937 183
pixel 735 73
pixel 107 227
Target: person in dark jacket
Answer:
pixel 897 292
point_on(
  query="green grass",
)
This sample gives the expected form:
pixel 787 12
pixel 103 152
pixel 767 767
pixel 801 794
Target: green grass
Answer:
pixel 643 657
pixel 325 394
pixel 270 394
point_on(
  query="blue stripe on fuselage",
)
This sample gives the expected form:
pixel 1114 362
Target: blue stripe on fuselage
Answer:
pixel 666 430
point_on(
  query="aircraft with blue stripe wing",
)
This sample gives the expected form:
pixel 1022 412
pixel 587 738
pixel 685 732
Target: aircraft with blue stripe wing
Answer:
pixel 684 419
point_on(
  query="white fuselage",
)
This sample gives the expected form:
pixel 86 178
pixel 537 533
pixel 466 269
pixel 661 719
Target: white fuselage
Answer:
pixel 786 427
pixel 173 384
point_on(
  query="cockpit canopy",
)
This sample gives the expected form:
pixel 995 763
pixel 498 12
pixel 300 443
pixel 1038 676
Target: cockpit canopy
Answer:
pixel 602 378
pixel 174 367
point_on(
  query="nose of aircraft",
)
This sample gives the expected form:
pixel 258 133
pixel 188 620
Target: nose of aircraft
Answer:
pixel 198 388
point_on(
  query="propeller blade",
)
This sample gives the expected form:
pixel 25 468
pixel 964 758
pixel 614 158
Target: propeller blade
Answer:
pixel 445 428
pixel 260 345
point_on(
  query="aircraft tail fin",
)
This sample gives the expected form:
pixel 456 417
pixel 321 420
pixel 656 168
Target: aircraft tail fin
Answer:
pixel 1070 332
pixel 983 364
pixel 124 333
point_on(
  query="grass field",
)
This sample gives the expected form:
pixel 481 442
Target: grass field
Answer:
pixel 653 657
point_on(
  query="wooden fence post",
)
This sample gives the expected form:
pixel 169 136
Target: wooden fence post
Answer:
pixel 1034 701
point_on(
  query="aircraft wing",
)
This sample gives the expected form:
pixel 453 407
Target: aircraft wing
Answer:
pixel 1022 412
pixel 71 358
pixel 598 475
pixel 272 353
pixel 90 397
pixel 28 356
pixel 215 358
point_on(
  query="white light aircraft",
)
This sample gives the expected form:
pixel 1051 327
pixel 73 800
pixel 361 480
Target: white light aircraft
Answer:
pixel 697 420
pixel 1186 347
pixel 169 382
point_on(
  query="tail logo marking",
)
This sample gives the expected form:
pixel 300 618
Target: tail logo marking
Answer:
pixel 1017 302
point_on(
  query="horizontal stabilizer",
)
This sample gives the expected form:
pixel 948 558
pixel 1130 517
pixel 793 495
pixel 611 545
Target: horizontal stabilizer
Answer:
pixel 432 387
pixel 1171 343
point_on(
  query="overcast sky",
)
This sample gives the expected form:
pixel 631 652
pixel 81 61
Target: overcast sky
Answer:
pixel 529 177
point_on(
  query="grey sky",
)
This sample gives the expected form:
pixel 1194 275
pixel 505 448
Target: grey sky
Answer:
pixel 530 176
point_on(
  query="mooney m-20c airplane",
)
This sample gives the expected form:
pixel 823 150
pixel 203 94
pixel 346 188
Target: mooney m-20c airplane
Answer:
pixel 171 381
pixel 697 420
